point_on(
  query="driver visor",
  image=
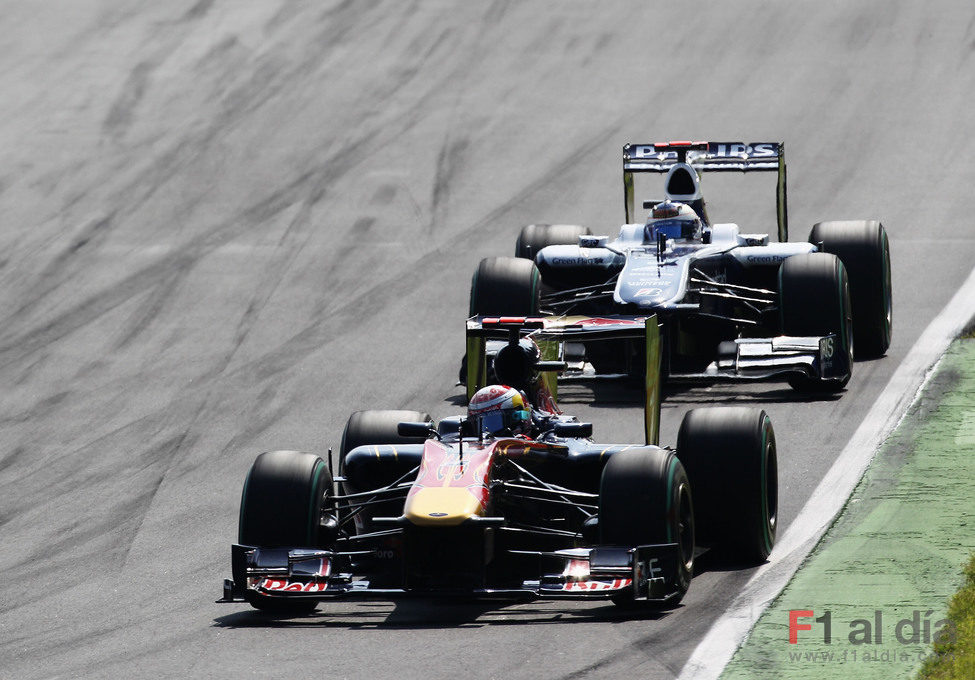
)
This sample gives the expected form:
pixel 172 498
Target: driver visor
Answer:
pixel 500 420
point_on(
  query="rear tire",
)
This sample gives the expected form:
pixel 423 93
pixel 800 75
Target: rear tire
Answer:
pixel 730 457
pixel 814 299
pixel 505 286
pixel 645 498
pixel 281 507
pixel 534 237
pixel 864 249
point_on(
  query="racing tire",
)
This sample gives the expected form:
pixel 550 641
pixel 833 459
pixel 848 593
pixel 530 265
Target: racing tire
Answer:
pixel 814 299
pixel 645 498
pixel 365 428
pixel 281 507
pixel 505 286
pixel 534 237
pixel 368 428
pixel 730 457
pixel 864 249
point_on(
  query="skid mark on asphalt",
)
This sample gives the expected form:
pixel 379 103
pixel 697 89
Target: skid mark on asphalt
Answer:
pixel 50 278
pixel 120 116
pixel 346 317
pixel 161 455
pixel 8 460
pixel 147 182
pixel 290 245
pixel 449 162
pixel 153 305
pixel 37 411
pixel 15 350
pixel 197 11
pixel 258 425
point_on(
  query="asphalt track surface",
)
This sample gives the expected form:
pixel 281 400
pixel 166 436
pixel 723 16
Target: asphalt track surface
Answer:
pixel 226 225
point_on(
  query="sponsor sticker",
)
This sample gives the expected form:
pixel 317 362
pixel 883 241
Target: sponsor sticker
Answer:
pixel 591 586
pixel 828 348
pixel 596 321
pixel 284 585
pixel 756 150
pixel 649 292
pixel 576 261
pixel 761 150
pixel 765 259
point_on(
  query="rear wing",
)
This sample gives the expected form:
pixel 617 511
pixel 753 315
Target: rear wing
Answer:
pixel 549 333
pixel 712 157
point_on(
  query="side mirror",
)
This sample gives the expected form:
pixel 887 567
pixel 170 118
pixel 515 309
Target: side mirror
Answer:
pixel 581 430
pixel 588 241
pixel 551 366
pixel 419 430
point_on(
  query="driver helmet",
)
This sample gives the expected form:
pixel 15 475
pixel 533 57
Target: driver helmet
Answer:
pixel 515 365
pixel 499 410
pixel 673 220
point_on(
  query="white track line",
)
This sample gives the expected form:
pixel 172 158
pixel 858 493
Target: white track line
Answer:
pixel 717 647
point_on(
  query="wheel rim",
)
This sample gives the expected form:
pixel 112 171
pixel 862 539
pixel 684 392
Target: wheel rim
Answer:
pixel 888 296
pixel 771 491
pixel 849 322
pixel 315 504
pixel 685 526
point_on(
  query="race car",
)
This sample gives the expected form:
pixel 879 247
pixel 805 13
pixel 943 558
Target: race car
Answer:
pixel 732 305
pixel 511 500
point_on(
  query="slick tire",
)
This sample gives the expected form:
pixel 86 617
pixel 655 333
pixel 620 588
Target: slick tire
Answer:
pixel 864 249
pixel 645 498
pixel 281 507
pixel 505 286
pixel 534 237
pixel 730 457
pixel 365 428
pixel 814 299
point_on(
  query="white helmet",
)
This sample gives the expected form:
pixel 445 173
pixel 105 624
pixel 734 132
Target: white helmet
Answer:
pixel 673 220
pixel 500 410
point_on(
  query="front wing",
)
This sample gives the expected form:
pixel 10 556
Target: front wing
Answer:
pixel 643 573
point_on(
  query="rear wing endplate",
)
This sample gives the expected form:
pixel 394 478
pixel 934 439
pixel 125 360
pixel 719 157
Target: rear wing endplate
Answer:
pixel 712 157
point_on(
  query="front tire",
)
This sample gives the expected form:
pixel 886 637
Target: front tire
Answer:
pixel 814 300
pixel 281 507
pixel 864 249
pixel 730 457
pixel 368 428
pixel 645 498
pixel 505 286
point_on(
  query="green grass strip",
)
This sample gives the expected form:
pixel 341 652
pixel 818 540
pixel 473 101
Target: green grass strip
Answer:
pixel 881 578
pixel 954 659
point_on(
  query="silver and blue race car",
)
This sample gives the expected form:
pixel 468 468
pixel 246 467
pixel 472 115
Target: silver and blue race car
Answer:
pixel 731 305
